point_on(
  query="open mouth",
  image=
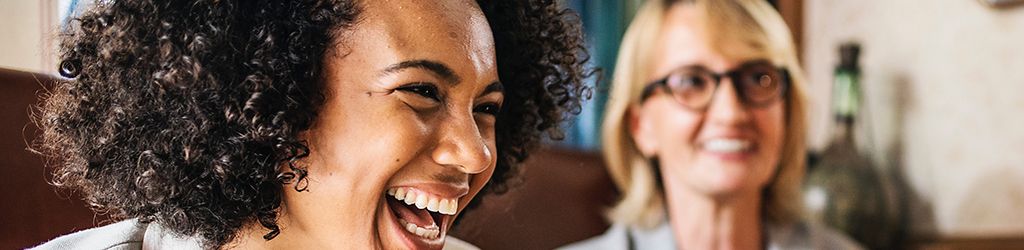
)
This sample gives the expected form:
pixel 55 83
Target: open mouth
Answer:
pixel 420 213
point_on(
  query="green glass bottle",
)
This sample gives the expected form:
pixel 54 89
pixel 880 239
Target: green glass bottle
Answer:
pixel 844 189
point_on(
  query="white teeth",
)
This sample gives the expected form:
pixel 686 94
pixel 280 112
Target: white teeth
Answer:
pixel 442 206
pixel 432 204
pixel 726 145
pixel 424 200
pixel 421 201
pixel 429 232
pixel 453 205
pixel 399 193
pixel 410 198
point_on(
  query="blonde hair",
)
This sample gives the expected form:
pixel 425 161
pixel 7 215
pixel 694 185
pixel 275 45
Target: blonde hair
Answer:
pixel 756 24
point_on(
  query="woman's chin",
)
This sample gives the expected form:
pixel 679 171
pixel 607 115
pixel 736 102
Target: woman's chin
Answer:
pixel 732 188
pixel 731 179
pixel 722 185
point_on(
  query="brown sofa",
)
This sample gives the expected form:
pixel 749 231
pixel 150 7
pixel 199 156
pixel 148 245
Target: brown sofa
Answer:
pixel 31 211
pixel 559 201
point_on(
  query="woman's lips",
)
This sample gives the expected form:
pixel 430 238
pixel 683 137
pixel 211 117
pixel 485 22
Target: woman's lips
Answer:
pixel 421 213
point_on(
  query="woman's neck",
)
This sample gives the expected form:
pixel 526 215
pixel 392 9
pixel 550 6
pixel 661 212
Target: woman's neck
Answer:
pixel 702 222
pixel 295 235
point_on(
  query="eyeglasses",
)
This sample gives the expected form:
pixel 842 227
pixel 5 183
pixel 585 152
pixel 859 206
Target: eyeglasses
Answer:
pixel 758 84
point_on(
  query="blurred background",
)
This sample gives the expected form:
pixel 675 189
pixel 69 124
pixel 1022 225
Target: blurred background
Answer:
pixel 932 152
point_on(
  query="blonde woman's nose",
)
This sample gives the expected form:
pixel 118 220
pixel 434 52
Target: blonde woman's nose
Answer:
pixel 726 106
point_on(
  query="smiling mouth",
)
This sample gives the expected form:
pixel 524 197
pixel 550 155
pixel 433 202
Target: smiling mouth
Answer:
pixel 419 212
pixel 727 145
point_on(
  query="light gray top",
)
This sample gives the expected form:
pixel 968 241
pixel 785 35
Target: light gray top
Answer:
pixel 800 235
pixel 124 235
pixel 132 234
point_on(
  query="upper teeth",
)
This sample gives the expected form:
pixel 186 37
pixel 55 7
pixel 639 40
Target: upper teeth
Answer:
pixel 425 200
pixel 726 145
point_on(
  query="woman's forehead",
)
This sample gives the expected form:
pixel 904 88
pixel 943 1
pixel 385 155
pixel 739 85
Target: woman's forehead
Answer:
pixel 454 33
pixel 417 21
pixel 686 38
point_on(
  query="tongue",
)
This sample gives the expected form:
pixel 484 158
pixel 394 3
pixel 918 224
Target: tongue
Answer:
pixel 411 214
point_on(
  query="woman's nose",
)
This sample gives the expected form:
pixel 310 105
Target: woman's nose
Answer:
pixel 462 146
pixel 727 106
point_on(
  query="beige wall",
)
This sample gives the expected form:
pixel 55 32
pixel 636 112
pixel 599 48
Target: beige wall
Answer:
pixel 944 83
pixel 22 39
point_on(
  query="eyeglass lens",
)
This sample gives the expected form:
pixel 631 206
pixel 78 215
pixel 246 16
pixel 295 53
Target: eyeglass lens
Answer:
pixel 756 83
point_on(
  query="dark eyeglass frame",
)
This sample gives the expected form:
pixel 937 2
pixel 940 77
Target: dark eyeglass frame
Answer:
pixel 734 74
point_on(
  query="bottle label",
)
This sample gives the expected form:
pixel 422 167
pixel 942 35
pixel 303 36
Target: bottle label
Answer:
pixel 846 95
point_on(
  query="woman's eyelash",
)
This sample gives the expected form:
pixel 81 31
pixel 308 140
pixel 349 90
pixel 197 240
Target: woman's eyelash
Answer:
pixel 423 89
pixel 430 91
pixel 488 108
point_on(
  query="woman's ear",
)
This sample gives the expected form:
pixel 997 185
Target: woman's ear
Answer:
pixel 642 132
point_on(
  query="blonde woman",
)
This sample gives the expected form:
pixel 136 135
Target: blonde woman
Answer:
pixel 704 135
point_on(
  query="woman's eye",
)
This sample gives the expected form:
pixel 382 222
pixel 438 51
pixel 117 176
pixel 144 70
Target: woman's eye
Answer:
pixel 488 108
pixel 688 82
pixel 425 90
pixel 693 82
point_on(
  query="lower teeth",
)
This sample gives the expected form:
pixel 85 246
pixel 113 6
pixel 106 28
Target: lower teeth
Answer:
pixel 430 232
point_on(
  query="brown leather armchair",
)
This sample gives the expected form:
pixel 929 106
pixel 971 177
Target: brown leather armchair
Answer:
pixel 561 200
pixel 31 211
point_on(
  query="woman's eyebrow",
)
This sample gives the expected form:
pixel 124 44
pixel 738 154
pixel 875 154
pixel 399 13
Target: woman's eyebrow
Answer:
pixel 437 68
pixel 495 86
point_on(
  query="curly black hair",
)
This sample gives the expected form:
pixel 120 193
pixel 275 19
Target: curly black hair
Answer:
pixel 183 111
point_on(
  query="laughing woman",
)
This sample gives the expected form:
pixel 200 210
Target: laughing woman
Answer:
pixel 308 124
